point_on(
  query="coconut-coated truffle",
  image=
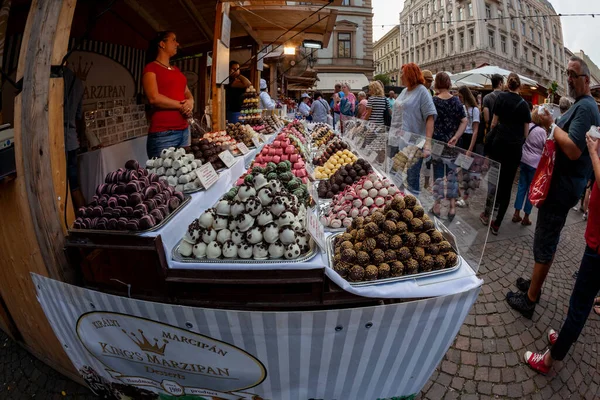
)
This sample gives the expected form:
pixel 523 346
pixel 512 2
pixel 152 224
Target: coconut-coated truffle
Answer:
pixel 344 236
pixel 416 225
pixel 371 229
pixel 371 273
pixel 409 239
pixel 410 201
pixel 356 274
pixel 347 245
pixel 392 215
pixel 362 257
pixel 418 253
pixel 342 268
pixel 389 227
pixel 427 225
pixel 378 256
pixel 383 241
pixel 451 259
pixel 427 264
pixel 384 271
pixel 358 222
pixel 369 244
pixel 401 227
pixel 397 268
pixel 348 255
pixel 377 217
pixel 433 249
pixel 411 266
pixel 418 211
pixel 423 240
pixel 439 262
pixel 395 242
pixel 403 253
pixel 445 247
pixel 361 235
pixel 390 255
pixel 406 215
pixel 398 204
pixel 436 237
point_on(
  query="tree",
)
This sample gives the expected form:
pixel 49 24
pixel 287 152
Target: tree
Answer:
pixel 383 78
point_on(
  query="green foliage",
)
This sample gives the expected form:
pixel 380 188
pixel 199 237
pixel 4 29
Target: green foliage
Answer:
pixel 383 78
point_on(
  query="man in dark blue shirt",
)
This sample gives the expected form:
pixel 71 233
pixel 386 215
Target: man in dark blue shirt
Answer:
pixel 572 170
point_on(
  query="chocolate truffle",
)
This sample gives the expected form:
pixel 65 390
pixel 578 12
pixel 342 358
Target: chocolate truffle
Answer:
pixel 361 235
pixel 344 236
pixel 384 271
pixel 409 239
pixel 358 246
pixel 451 259
pixel 423 240
pixel 390 255
pixel 358 222
pixel 395 242
pixel 427 225
pixel 439 262
pixel 445 247
pixel 371 229
pixel 410 201
pixel 398 204
pixel 416 225
pixel 436 237
pixel 357 273
pixel 377 217
pixel 411 266
pixel 418 253
pixel 433 249
pixel 406 215
pixel 392 215
pixel 403 253
pixel 427 264
pixel 362 257
pixel 371 273
pixel 347 245
pixel 397 268
pixel 383 241
pixel 418 211
pixel 389 227
pixel 401 227
pixel 348 255
pixel 369 244
pixel 342 268
pixel 378 256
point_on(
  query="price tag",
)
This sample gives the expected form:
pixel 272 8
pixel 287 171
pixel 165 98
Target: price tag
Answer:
pixel 359 142
pixel 493 175
pixel 406 136
pixel 371 156
pixel 243 148
pixel 207 175
pixel 421 143
pixel 261 137
pixel 256 142
pixel 464 161
pixel 437 149
pixel 315 229
pixel 227 157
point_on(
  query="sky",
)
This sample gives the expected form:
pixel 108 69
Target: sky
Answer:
pixel 579 33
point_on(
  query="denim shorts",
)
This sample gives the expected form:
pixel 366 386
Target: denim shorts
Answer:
pixel 550 222
pixel 157 141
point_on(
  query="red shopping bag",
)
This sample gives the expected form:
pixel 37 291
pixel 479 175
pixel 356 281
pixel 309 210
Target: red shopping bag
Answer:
pixel 540 186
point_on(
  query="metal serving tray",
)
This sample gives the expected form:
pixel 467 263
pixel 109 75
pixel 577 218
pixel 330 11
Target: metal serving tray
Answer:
pixel 330 252
pixel 186 200
pixel 190 260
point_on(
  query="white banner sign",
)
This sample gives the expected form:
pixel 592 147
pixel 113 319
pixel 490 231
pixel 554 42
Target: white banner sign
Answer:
pixel 127 348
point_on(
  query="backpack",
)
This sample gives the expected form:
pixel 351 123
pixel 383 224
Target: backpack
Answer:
pixel 346 107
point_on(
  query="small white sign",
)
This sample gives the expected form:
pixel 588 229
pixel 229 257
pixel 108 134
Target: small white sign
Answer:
pixel 421 143
pixel 227 157
pixel 493 175
pixel 256 141
pixel 437 149
pixel 464 161
pixel 315 229
pixel 207 175
pixel 371 156
pixel 243 148
pixel 406 136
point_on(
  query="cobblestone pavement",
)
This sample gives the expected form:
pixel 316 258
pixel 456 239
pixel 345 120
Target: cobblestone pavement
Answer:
pixel 485 359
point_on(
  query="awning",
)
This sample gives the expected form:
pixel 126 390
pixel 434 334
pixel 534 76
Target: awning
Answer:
pixel 327 80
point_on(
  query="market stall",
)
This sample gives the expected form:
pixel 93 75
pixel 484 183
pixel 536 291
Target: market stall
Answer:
pixel 250 245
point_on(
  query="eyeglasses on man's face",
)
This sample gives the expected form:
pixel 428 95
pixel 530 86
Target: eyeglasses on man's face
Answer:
pixel 572 74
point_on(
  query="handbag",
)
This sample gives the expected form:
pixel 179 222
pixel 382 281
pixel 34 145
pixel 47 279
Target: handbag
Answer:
pixel 540 185
pixel 387 114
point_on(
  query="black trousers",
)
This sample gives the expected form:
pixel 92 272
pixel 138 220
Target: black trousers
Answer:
pixel 509 158
pixel 586 288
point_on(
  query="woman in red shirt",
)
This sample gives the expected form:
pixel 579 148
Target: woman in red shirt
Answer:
pixel 168 93
pixel 586 286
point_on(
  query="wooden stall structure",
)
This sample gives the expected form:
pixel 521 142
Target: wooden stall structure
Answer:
pixel 33 230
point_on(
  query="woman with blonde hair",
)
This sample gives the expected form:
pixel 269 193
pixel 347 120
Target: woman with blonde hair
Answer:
pixel 532 152
pixel 377 103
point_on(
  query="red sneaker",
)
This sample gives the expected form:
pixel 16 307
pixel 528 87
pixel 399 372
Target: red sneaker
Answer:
pixel 552 336
pixel 536 362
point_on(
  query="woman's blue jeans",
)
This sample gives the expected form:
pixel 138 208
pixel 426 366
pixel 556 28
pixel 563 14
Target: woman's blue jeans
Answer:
pixel 525 178
pixel 158 141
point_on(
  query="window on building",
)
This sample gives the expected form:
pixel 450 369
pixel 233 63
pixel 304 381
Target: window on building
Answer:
pixel 540 38
pixel 435 48
pixel 541 62
pixel 488 11
pixel 441 4
pixel 422 32
pixel 471 37
pixel 443 22
pixel 461 41
pixel 556 73
pixel 434 5
pixel 491 39
pixel 499 12
pixel 345 2
pixel 417 33
pixel 525 54
pixel 418 55
pixel 429 52
pixel 547 44
pixel 554 30
pixel 503 44
pixel 449 17
pixel 534 58
pixel 427 9
pixel 460 14
pixel 428 29
pixel 470 9
pixel 344 45
pixel 434 26
pixel 531 33
pixel 412 38
pixel 515 49
pixel 451 44
pixel 523 28
pixel 443 46
pixel 512 23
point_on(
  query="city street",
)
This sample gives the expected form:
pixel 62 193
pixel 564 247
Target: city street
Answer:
pixel 485 361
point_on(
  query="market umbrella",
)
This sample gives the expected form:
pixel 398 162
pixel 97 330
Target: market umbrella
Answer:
pixel 483 76
pixel 464 82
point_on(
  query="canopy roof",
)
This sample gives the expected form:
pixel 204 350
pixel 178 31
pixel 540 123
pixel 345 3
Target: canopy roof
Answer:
pixel 483 76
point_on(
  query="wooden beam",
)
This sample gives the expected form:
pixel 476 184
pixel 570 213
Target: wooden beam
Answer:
pixel 247 27
pixel 329 29
pixel 197 18
pixel 141 10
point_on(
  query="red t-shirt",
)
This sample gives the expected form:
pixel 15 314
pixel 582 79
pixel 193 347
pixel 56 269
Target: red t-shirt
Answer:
pixel 592 232
pixel 171 83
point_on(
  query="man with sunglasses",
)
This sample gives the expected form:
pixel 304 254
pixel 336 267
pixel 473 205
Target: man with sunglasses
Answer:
pixel 572 171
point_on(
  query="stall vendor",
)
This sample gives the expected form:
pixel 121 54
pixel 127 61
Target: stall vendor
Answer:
pixel 304 108
pixel 168 93
pixel 266 102
pixel 234 92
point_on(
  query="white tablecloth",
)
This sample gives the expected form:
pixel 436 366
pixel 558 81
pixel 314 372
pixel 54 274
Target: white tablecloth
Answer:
pixel 95 165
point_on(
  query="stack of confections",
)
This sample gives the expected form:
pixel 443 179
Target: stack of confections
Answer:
pixel 251 114
pixel 282 150
pixel 400 240
pixel 322 135
pixel 333 147
pixel 334 162
pixel 279 172
pixel 206 151
pixel 242 133
pixel 131 199
pixel 223 139
pixel 345 176
pixel 370 194
pixel 177 168
pixel 272 124
pixel 405 159
pixel 262 221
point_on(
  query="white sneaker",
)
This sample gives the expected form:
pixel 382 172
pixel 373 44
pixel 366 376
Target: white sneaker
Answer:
pixel 576 208
pixel 585 216
pixel 462 204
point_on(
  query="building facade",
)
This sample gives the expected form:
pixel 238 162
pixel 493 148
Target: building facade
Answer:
pixel 458 35
pixel 594 70
pixel 386 55
pixel 349 56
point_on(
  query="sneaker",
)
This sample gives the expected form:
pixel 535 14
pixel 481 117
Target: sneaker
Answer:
pixel 552 336
pixel 485 220
pixel 576 208
pixel 462 204
pixel 521 303
pixel 536 361
pixel 494 228
pixel 523 286
pixel 585 216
